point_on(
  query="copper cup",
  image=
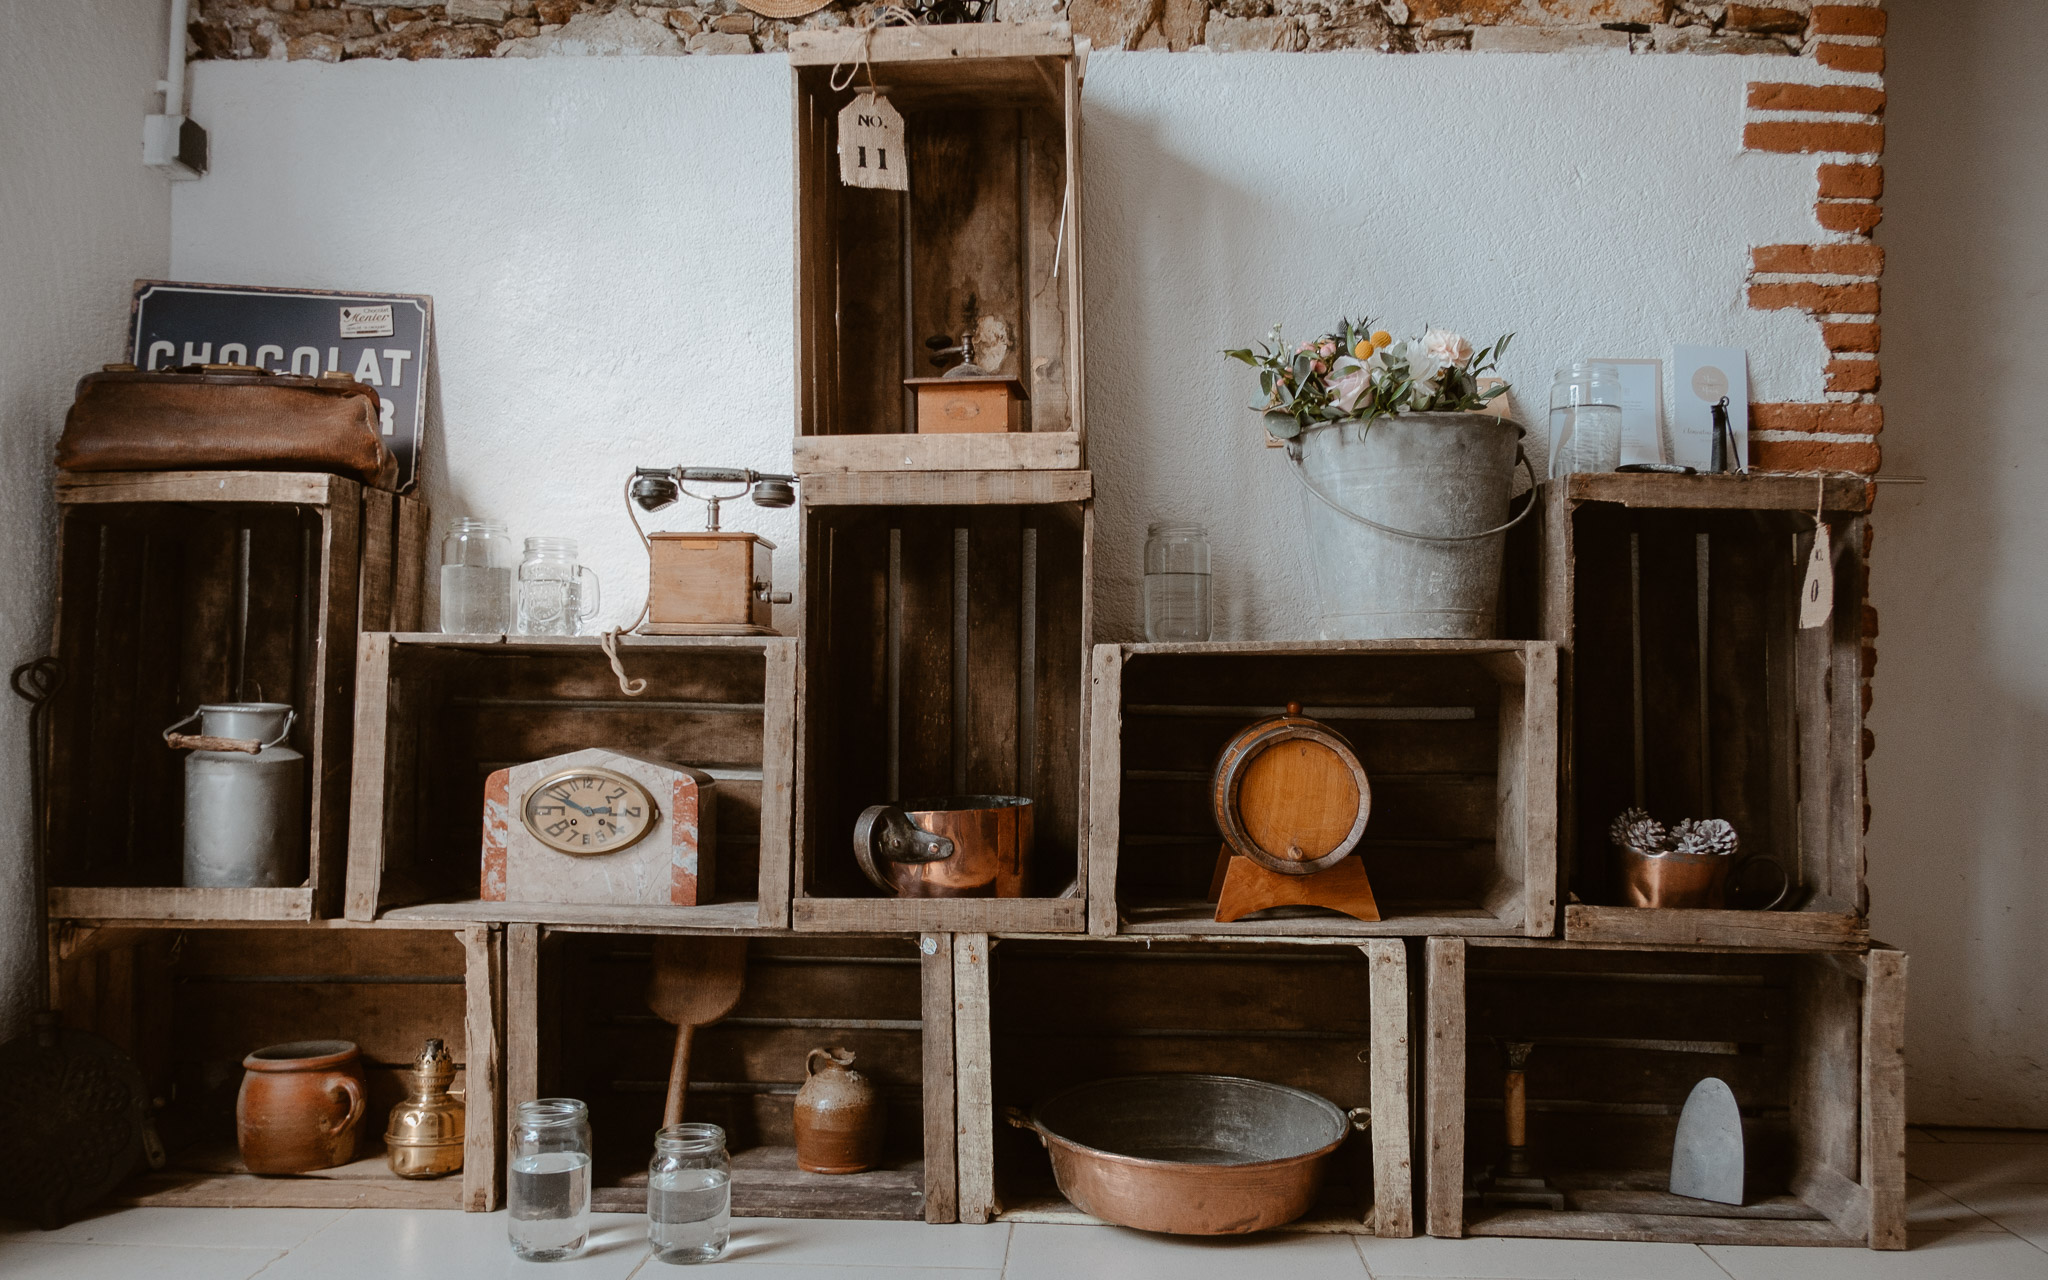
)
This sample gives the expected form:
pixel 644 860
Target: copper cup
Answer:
pixel 1674 879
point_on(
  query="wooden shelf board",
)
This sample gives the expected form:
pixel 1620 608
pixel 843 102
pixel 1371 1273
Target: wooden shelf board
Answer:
pixel 717 917
pixel 1198 920
pixel 945 488
pixel 80 902
pixel 1666 1228
pixel 767 1184
pixel 299 488
pixel 990 451
pixel 940 915
pixel 1773 930
pixel 214 1177
pixel 1756 491
pixel 494 642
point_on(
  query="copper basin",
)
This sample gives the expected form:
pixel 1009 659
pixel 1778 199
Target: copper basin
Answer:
pixel 1196 1155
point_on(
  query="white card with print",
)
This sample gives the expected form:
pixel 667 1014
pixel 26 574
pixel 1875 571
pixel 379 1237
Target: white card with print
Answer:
pixel 1700 376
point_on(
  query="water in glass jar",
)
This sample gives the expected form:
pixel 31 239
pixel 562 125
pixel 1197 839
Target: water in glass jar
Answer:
pixel 689 1214
pixel 1584 437
pixel 475 600
pixel 1176 606
pixel 550 1202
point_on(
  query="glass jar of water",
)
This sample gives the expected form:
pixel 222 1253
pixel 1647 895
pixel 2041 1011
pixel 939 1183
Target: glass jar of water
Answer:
pixel 1176 582
pixel 689 1194
pixel 556 594
pixel 476 578
pixel 550 1184
pixel 1585 418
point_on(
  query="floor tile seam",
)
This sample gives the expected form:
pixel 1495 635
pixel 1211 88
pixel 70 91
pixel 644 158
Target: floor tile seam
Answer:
pixel 280 1251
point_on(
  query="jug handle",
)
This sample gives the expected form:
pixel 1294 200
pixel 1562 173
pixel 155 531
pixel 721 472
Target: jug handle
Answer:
pixel 1784 877
pixel 583 570
pixel 352 1088
pixel 830 1055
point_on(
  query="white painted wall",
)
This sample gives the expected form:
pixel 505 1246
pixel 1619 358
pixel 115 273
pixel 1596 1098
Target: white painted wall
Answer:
pixel 80 217
pixel 1959 877
pixel 608 245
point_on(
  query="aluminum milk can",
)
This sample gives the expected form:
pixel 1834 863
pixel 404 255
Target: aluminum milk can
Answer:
pixel 245 824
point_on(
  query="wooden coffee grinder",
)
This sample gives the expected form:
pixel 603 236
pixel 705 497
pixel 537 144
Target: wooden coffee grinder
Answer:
pixel 1291 800
pixel 712 583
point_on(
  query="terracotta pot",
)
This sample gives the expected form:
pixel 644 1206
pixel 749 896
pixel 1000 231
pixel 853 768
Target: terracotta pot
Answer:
pixel 299 1106
pixel 838 1116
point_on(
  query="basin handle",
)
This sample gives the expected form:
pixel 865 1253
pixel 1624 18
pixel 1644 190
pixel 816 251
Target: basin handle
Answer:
pixel 1360 1118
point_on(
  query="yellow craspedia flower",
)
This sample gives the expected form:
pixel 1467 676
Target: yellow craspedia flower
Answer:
pixel 1381 338
pixel 1363 349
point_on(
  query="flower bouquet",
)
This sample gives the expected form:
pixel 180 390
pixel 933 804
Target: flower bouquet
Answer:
pixel 1360 373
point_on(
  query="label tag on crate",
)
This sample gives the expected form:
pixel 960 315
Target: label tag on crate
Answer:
pixel 1817 593
pixel 871 152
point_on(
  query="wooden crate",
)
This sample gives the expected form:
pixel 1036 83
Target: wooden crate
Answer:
pixel 990 228
pixel 183 587
pixel 1784 731
pixel 580 1028
pixel 436 714
pixel 1458 739
pixel 945 653
pixel 191 1002
pixel 1811 1043
pixel 1036 1016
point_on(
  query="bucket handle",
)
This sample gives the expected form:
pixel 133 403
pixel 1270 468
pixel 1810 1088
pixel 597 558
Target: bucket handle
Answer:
pixel 203 742
pixel 1521 456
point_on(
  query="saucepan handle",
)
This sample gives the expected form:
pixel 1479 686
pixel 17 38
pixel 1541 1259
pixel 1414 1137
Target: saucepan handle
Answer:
pixel 884 833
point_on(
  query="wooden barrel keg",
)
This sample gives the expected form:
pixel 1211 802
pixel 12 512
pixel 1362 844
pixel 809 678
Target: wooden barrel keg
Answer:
pixel 1290 794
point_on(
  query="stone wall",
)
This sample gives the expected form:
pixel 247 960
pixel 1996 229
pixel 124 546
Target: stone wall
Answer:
pixel 334 30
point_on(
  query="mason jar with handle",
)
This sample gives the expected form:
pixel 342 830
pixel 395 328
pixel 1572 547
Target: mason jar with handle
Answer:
pixel 553 597
pixel 245 797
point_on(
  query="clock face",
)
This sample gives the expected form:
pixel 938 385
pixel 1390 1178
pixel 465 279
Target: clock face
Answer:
pixel 588 811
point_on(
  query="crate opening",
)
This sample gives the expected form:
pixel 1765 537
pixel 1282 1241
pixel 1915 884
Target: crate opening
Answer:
pixel 1621 1038
pixel 1061 1015
pixel 1734 713
pixel 164 606
pixel 1437 733
pixel 970 250
pixel 459 711
pixel 944 656
pixel 599 1041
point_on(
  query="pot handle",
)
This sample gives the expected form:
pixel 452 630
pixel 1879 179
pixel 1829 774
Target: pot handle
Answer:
pixel 1017 1119
pixel 884 833
pixel 352 1088
pixel 1360 1118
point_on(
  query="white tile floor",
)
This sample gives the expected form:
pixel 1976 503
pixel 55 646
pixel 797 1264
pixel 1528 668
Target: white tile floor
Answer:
pixel 1979 1212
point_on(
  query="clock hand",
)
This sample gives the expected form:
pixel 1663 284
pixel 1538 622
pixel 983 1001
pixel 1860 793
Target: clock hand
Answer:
pixel 564 798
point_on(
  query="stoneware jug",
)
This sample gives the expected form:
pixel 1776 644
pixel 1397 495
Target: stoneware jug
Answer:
pixel 838 1116
pixel 299 1106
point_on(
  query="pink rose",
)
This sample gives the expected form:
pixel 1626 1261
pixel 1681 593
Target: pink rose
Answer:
pixel 1448 348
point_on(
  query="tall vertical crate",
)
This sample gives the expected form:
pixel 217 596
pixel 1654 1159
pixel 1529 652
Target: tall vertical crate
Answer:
pixel 987 237
pixel 184 587
pixel 1811 1043
pixel 945 653
pixel 1762 724
pixel 190 1002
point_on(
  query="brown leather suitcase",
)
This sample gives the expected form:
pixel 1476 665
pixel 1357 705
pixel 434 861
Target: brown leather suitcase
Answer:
pixel 206 417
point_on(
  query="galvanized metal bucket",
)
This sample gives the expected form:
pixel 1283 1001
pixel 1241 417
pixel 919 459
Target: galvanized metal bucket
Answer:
pixel 1407 525
pixel 245 825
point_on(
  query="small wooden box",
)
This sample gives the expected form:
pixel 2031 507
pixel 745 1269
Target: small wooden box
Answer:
pixel 951 406
pixel 701 584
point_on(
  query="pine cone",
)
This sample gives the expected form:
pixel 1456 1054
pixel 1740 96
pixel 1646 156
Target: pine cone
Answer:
pixel 1705 836
pixel 1638 831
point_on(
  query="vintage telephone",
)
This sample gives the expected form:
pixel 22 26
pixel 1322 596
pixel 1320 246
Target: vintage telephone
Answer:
pixel 711 583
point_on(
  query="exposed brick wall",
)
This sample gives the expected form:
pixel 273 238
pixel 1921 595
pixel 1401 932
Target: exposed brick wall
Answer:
pixel 333 30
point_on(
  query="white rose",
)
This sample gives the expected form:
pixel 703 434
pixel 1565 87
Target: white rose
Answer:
pixel 1448 348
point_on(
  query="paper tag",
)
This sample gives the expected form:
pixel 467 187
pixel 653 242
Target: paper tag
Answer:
pixel 1817 593
pixel 366 322
pixel 871 144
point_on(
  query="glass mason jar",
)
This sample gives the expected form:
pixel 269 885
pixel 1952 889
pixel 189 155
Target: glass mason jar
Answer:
pixel 689 1194
pixel 1176 582
pixel 549 1192
pixel 553 597
pixel 476 578
pixel 1585 418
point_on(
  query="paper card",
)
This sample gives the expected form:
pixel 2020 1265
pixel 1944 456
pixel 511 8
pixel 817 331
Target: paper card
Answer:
pixel 871 149
pixel 1642 409
pixel 1817 593
pixel 1700 376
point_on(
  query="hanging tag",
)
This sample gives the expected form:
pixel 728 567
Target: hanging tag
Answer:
pixel 871 144
pixel 1817 593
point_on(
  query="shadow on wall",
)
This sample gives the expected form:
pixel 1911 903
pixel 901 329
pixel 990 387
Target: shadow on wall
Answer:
pixel 1960 581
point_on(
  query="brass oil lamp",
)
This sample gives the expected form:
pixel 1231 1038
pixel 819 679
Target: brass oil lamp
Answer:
pixel 424 1138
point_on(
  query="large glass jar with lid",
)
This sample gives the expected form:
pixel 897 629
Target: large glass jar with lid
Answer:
pixel 549 1188
pixel 689 1194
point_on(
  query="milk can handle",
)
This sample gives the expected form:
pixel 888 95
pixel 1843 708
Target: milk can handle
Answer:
pixel 1294 456
pixel 203 742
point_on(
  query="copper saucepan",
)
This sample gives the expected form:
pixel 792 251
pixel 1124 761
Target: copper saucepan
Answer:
pixel 1190 1154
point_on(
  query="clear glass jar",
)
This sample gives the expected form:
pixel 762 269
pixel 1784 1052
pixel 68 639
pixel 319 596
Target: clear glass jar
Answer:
pixel 689 1194
pixel 553 597
pixel 1176 582
pixel 1585 418
pixel 549 1191
pixel 476 578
